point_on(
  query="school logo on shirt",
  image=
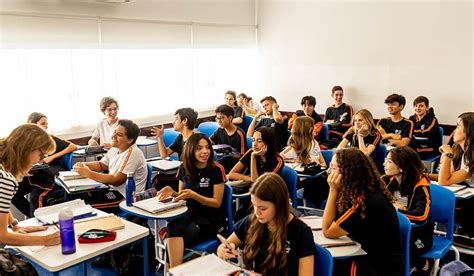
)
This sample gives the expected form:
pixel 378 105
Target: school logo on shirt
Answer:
pixel 422 127
pixel 343 116
pixel 204 182
pixel 398 131
pixel 288 247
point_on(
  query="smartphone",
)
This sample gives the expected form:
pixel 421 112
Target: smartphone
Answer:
pixel 224 241
pixel 166 200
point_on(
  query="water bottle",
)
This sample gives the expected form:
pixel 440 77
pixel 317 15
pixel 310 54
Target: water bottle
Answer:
pixel 129 189
pixel 66 230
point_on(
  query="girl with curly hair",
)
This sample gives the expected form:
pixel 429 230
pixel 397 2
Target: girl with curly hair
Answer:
pixel 275 242
pixel 360 205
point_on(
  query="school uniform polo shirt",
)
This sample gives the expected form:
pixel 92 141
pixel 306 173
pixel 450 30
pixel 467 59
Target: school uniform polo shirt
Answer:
pixel 374 138
pixel 236 140
pixel 104 131
pixel 403 127
pixel 274 165
pixel 342 116
pixel 280 130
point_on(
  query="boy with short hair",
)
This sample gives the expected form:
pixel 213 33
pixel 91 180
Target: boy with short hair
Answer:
pixel 338 117
pixel 396 130
pixel 308 103
pixel 426 129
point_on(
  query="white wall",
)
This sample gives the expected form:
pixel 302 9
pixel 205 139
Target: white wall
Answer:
pixel 372 49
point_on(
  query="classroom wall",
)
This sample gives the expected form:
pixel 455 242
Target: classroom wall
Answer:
pixel 370 48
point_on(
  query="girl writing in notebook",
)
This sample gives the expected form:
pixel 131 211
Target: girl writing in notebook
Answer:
pixel 404 173
pixel 360 205
pixel 201 184
pixel 25 146
pixel 274 241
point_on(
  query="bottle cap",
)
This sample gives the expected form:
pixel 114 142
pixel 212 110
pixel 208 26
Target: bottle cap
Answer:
pixel 129 174
pixel 65 213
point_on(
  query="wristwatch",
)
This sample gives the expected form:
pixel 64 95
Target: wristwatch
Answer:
pixel 450 155
pixel 13 224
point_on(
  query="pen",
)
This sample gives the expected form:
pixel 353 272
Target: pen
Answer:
pixel 56 224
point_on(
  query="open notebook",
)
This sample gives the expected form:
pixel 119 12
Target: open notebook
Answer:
pixel 165 165
pixel 205 265
pixel 153 205
pixel 49 214
pixel 316 226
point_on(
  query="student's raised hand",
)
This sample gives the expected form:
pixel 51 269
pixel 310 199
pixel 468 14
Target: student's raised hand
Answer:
pixel 185 194
pixel 164 193
pixel 157 131
pixel 52 239
pixel 335 180
pixel 445 149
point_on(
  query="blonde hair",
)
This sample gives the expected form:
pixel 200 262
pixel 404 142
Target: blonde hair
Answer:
pixel 368 119
pixel 15 149
pixel 301 139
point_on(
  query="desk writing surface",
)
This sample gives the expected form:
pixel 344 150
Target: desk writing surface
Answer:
pixel 53 260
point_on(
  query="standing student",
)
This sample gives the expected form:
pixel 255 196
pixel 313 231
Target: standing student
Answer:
pixel 105 128
pixel 404 173
pixel 123 157
pixel 228 134
pixel 338 117
pixel 273 119
pixel 308 103
pixel 363 135
pixel 184 122
pixel 274 241
pixel 201 184
pixel 359 205
pixel 396 130
pixel 457 166
pixel 426 137
pixel 231 100
pixel 249 105
pixel 25 146
pixel 262 157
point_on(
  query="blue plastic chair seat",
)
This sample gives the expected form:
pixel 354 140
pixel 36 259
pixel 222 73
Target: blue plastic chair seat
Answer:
pixel 207 246
pixel 440 247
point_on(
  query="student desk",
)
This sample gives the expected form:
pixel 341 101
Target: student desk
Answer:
pixel 148 146
pixel 51 258
pixel 160 245
pixel 81 156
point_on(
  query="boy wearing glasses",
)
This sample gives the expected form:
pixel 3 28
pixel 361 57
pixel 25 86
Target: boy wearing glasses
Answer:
pixel 105 128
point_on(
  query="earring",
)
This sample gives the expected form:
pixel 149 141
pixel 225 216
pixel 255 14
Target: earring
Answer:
pixel 401 170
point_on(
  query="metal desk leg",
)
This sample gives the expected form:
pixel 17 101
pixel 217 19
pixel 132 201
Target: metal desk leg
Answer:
pixel 145 256
pixel 160 248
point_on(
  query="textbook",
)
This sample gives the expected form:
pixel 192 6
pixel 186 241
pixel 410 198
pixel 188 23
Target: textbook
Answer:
pixel 49 214
pixel 165 165
pixel 205 265
pixel 69 175
pixel 108 222
pixel 81 184
pixel 153 205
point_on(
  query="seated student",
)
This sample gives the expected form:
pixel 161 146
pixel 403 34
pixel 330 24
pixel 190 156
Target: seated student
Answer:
pixel 274 241
pixel 228 134
pixel 25 146
pixel 275 120
pixel 105 128
pixel 201 184
pixel 338 117
pixel 396 130
pixel 363 135
pixel 184 122
pixel 308 103
pixel 426 129
pixel 359 205
pixel 262 157
pixel 249 105
pixel 457 166
pixel 404 173
pixel 231 100
pixel 42 181
pixel 123 157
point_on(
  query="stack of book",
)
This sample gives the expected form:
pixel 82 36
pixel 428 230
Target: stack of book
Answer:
pixel 74 182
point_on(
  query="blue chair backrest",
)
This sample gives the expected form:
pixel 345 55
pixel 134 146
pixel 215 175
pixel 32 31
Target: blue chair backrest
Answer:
pixel 291 179
pixel 378 156
pixel 227 201
pixel 405 230
pixel 169 135
pixel 327 155
pixel 442 208
pixel 67 159
pixel 149 171
pixel 208 128
pixel 323 262
pixel 323 133
pixel 246 123
pixel 248 141
pixel 441 134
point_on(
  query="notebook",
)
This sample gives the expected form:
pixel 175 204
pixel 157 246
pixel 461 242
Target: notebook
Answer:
pixel 108 222
pixel 69 175
pixel 320 239
pixel 165 165
pixel 205 265
pixel 153 205
pixel 314 222
pixel 81 184
pixel 49 214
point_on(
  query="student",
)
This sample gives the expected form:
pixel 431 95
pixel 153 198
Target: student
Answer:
pixel 308 103
pixel 426 129
pixel 457 166
pixel 359 205
pixel 274 120
pixel 25 146
pixel 302 147
pixel 363 135
pixel 274 241
pixel 123 157
pixel 201 184
pixel 262 157
pixel 249 105
pixel 228 134
pixel 231 100
pixel 184 122
pixel 404 173
pixel 396 130
pixel 105 128
pixel 338 117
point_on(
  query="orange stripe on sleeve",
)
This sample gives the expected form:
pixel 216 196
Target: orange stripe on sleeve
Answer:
pixel 279 165
pixel 433 123
pixel 425 214
pixel 411 128
pixel 129 153
pixel 242 141
pixel 222 171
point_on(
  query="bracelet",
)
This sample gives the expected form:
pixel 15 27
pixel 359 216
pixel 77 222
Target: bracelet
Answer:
pixel 13 224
